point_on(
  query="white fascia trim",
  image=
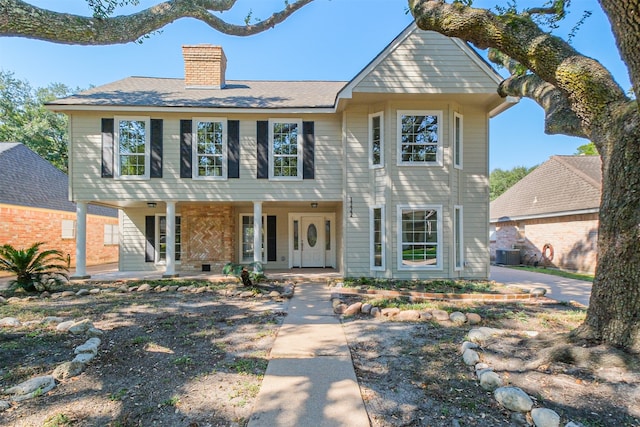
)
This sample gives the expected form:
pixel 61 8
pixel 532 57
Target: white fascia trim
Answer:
pixel 190 110
pixel 544 215
pixel 508 102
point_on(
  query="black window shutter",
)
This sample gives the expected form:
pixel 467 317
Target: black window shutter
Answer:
pixel 107 148
pixel 156 148
pixel 233 148
pixel 263 149
pixel 308 142
pixel 185 148
pixel 272 248
pixel 150 235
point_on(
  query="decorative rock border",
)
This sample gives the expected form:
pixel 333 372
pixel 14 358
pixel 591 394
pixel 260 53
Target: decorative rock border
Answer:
pixel 287 292
pixel 533 294
pixel 84 353
pixel 457 317
pixel 512 398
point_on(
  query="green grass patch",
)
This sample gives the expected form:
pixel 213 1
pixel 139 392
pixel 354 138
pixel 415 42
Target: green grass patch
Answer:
pixel 118 396
pixel 183 361
pixel 249 366
pixel 58 420
pixel 555 272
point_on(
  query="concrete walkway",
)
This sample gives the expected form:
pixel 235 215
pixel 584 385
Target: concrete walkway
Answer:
pixel 310 380
pixel 558 288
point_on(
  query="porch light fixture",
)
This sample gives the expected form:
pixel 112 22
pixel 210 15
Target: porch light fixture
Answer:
pixel 151 204
pixel 314 205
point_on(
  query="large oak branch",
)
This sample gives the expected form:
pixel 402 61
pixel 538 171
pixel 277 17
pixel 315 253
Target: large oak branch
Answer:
pixel 589 87
pixel 20 19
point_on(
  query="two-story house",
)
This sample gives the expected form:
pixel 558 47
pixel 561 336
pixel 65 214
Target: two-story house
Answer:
pixel 383 176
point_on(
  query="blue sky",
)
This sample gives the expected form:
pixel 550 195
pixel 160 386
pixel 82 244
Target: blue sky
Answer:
pixel 326 40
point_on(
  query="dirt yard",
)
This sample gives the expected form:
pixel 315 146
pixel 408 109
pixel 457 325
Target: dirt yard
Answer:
pixel 197 359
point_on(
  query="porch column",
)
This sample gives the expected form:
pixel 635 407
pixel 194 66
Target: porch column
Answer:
pixel 81 242
pixel 171 241
pixel 257 232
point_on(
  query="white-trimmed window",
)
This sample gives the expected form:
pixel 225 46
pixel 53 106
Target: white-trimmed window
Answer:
pixel 247 232
pixel 419 138
pixel 111 234
pixel 68 229
pixel 377 239
pixel 161 239
pixel 457 140
pixel 458 234
pixel 209 148
pixel 285 149
pixel 419 237
pixel 132 136
pixel 376 137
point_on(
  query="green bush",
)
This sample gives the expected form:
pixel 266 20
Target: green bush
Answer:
pixel 35 270
pixel 255 270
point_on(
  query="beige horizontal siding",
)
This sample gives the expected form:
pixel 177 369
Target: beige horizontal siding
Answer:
pixel 133 243
pixel 88 185
pixel 427 62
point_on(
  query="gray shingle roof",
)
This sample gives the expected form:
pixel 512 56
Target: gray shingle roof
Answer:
pixel 561 184
pixel 26 179
pixel 165 92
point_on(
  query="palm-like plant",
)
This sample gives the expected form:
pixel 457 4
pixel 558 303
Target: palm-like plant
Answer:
pixel 36 270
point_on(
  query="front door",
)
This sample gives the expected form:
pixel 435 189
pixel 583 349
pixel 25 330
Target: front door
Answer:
pixel 312 243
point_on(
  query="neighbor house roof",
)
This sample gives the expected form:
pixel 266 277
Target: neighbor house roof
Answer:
pixel 26 179
pixel 562 185
pixel 165 92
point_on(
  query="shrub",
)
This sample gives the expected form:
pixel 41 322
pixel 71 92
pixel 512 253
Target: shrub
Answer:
pixel 254 269
pixel 35 269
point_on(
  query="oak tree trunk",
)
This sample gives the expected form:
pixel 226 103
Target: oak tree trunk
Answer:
pixel 613 316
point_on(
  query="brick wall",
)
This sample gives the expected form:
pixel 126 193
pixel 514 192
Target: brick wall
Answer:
pixel 208 237
pixel 204 65
pixel 574 240
pixel 20 227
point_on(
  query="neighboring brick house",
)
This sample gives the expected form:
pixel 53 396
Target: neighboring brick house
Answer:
pixel 557 204
pixel 385 175
pixel 34 207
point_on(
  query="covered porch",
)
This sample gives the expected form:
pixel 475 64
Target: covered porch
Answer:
pixel 189 238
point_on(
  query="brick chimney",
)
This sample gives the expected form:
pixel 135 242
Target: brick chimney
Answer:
pixel 204 66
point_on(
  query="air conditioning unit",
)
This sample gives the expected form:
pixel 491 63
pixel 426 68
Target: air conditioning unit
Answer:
pixel 508 256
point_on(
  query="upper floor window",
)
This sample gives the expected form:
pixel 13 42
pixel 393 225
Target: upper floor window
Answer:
pixel 419 237
pixel 285 149
pixel 132 137
pixel 376 132
pixel 209 148
pixel 419 138
pixel 457 140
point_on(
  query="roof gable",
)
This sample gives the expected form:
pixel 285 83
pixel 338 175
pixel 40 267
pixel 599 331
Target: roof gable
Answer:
pixel 419 61
pixel 561 185
pixel 26 179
